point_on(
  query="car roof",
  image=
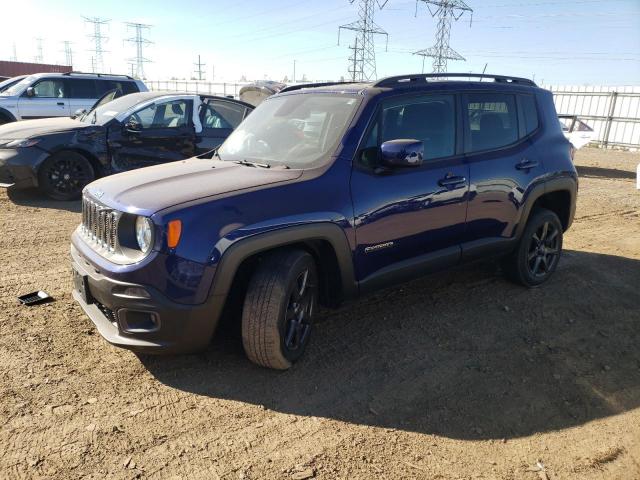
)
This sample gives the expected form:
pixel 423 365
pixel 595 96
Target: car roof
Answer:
pixel 416 82
pixel 144 96
pixel 92 76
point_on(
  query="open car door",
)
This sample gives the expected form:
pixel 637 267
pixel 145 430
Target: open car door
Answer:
pixel 107 97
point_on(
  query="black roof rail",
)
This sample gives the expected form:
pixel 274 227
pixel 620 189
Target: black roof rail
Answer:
pixel 99 74
pixel 423 78
pixel 312 85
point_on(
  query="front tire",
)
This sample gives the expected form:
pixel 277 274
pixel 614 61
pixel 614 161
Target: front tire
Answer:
pixel 63 175
pixel 538 252
pixel 278 309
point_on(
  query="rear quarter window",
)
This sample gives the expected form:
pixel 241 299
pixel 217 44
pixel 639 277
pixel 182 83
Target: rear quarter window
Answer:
pixel 529 113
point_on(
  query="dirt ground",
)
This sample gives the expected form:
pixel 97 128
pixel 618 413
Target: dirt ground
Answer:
pixel 458 375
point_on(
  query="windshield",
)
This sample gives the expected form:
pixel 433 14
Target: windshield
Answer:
pixel 9 82
pixel 105 112
pixel 18 87
pixel 293 130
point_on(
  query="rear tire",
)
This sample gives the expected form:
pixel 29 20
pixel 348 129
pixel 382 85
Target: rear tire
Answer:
pixel 538 252
pixel 278 309
pixel 63 175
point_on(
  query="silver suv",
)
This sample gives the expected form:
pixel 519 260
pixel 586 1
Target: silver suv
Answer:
pixel 60 94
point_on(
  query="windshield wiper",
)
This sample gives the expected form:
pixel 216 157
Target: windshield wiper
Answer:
pixel 252 164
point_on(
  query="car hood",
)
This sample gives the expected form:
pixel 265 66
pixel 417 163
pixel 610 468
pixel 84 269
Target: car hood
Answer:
pixel 146 191
pixel 34 128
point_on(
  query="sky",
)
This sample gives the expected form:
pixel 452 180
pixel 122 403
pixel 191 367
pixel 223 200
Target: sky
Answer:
pixel 570 42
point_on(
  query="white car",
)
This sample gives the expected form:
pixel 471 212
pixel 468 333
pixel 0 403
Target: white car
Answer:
pixel 576 131
pixel 45 95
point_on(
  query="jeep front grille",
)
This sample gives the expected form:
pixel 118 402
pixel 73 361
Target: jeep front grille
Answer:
pixel 99 224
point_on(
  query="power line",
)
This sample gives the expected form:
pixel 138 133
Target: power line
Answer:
pixel 362 62
pixel 139 60
pixel 446 11
pixel 97 60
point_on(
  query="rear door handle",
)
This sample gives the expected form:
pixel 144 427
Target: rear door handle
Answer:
pixel 526 164
pixel 450 180
pixel 61 104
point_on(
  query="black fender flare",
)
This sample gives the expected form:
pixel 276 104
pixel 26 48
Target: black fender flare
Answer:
pixel 567 184
pixel 233 256
pixel 8 115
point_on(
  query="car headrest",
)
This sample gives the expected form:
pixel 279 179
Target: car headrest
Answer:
pixel 490 122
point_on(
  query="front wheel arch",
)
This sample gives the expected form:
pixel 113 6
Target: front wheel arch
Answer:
pixel 315 238
pixel 6 116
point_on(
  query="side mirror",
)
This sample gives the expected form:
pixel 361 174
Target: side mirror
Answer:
pixel 79 113
pixel 132 126
pixel 31 92
pixel 402 153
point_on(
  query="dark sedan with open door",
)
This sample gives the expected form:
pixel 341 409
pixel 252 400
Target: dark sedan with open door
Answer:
pixel 62 155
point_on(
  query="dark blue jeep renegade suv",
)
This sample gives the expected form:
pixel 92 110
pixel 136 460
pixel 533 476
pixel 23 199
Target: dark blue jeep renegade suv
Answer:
pixel 325 192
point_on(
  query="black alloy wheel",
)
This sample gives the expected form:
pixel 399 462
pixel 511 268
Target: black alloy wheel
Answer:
pixel 544 250
pixel 63 175
pixel 538 252
pixel 278 309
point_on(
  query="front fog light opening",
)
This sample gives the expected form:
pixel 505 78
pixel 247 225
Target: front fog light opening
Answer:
pixel 138 321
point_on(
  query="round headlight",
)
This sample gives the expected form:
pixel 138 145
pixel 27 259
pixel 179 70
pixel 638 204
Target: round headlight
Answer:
pixel 144 233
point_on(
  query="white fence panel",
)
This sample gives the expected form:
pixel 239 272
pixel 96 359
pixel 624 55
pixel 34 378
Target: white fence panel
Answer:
pixel 613 112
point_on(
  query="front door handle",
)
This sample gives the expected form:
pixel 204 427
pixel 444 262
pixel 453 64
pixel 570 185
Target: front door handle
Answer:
pixel 61 104
pixel 526 164
pixel 451 180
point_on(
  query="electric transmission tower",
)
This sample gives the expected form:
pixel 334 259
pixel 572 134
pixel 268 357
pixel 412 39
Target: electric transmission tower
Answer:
pixel 199 68
pixel 446 11
pixel 139 42
pixel 68 53
pixel 362 62
pixel 39 56
pixel 97 60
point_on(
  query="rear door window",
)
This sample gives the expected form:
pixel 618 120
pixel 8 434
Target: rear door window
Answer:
pixel 124 86
pixel 81 88
pixel 103 86
pixel 492 121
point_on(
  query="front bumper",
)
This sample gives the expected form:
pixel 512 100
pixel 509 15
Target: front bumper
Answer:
pixel 19 166
pixel 172 327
